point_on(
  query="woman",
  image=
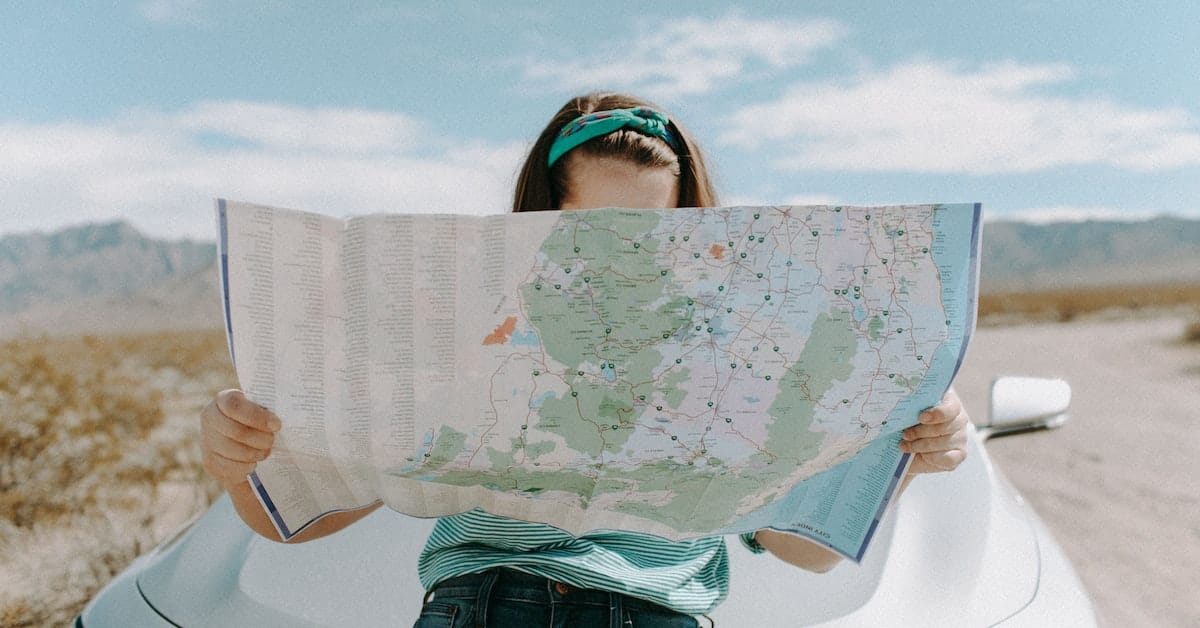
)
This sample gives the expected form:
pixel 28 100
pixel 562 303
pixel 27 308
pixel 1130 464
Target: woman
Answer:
pixel 599 150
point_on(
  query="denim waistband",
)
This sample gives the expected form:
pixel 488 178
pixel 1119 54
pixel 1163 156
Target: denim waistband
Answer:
pixel 517 585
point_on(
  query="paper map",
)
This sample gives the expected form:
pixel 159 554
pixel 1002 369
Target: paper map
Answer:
pixel 677 372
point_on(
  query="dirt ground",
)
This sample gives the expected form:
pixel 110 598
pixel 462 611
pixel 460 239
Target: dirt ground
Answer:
pixel 1117 484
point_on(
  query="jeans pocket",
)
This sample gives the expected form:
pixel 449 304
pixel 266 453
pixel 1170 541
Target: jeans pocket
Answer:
pixel 437 615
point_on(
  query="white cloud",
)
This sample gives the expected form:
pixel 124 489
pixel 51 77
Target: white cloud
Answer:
pixel 1047 215
pixel 935 117
pixel 161 170
pixel 691 55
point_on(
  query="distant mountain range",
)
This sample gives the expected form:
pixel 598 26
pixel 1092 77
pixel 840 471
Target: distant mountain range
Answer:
pixel 106 278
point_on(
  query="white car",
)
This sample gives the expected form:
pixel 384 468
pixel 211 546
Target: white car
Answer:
pixel 959 549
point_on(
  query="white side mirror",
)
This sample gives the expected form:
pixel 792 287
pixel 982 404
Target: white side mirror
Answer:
pixel 1021 404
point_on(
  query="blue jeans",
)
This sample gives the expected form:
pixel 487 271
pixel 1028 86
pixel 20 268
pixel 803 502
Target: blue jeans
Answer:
pixel 500 598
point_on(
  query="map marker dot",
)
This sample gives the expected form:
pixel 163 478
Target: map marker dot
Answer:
pixel 756 216
pixel 776 347
pixel 686 238
pixel 537 286
pixel 678 361
pixel 924 249
pixel 728 420
pixel 663 273
pixel 558 286
pixel 768 378
pixel 574 394
pixel 767 297
pixel 696 255
pixel 576 249
pixel 760 275
pixel 743 256
pixel 760 239
pixel 637 245
pixel 536 373
pixel 672 238
pixel 674 438
pixel 710 404
pixel 659 408
pixel 720 288
pixel 567 270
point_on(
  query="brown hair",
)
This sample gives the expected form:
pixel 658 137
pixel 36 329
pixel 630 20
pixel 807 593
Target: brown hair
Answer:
pixel 540 187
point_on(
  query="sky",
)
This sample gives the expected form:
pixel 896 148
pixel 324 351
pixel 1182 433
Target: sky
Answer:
pixel 147 111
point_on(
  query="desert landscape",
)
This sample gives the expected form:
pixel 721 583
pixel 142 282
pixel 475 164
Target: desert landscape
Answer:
pixel 101 461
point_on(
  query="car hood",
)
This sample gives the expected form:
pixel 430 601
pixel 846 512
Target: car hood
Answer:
pixel 959 549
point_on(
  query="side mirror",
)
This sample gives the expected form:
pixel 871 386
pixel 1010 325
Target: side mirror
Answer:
pixel 1022 404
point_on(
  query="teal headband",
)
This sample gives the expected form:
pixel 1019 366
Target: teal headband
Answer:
pixel 641 119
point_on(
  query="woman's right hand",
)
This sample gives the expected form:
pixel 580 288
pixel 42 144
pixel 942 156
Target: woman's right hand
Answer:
pixel 235 434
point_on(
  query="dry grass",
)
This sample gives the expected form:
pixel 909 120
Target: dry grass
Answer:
pixel 1067 304
pixel 99 459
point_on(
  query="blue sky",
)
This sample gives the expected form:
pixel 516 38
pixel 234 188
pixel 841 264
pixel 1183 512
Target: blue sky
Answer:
pixel 149 110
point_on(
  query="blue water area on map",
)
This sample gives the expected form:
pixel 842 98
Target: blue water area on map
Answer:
pixel 537 403
pixel 860 312
pixel 527 339
pixel 610 374
pixel 751 399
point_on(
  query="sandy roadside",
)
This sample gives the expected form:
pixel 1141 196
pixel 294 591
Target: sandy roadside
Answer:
pixel 1117 484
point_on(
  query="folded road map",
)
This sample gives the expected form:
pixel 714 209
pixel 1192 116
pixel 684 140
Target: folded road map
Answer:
pixel 679 372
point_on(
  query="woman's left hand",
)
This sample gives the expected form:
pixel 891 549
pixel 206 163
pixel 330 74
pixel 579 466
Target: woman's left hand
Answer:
pixel 939 441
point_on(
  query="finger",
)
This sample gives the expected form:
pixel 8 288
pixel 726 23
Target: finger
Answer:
pixel 949 408
pixel 930 445
pixel 241 433
pixel 233 450
pixel 932 430
pixel 234 404
pixel 938 462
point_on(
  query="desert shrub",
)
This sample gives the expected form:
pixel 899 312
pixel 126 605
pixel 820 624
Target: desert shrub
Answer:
pixel 98 459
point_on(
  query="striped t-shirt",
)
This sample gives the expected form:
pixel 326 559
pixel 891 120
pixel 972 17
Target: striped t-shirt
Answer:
pixel 691 576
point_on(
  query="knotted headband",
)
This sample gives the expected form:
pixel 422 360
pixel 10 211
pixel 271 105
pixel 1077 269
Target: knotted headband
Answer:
pixel 641 119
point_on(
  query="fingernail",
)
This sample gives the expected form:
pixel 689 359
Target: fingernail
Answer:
pixel 274 424
pixel 925 417
pixel 904 446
